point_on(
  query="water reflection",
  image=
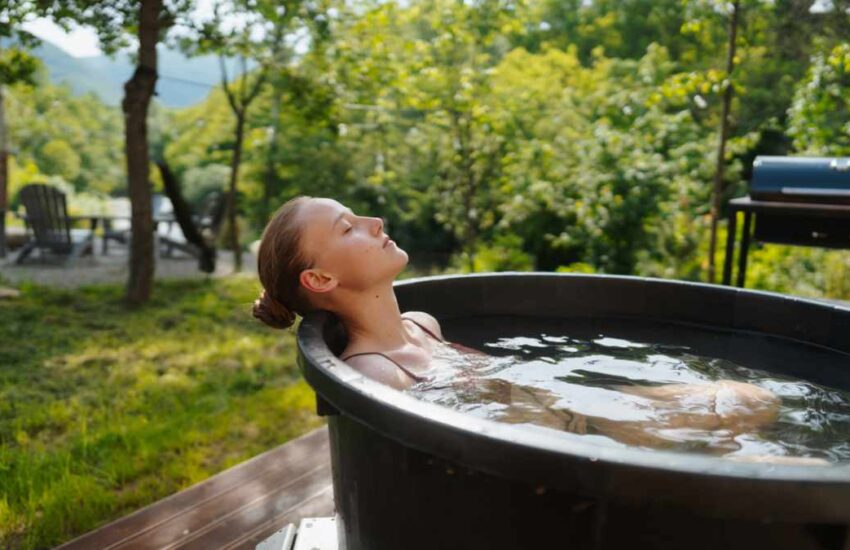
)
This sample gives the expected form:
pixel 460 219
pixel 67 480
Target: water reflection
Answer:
pixel 623 392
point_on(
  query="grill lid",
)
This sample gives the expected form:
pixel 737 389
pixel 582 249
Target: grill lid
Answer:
pixel 801 179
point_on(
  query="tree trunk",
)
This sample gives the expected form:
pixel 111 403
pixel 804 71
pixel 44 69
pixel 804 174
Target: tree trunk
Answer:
pixel 717 192
pixel 183 215
pixel 470 186
pixel 271 157
pixel 137 96
pixel 4 174
pixel 231 197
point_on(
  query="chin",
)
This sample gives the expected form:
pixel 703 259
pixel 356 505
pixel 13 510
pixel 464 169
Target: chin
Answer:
pixel 403 260
pixel 405 257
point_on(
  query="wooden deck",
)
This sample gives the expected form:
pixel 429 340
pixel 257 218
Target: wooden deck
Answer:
pixel 237 508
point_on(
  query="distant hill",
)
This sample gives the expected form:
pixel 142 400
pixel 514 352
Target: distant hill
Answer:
pixel 183 81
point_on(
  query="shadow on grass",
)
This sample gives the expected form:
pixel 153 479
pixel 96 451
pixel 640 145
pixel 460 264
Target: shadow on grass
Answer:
pixel 105 409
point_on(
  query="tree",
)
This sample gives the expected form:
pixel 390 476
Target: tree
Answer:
pixel 148 21
pixel 240 93
pixel 417 78
pixel 260 40
pixel 16 65
pixel 717 193
pixel 59 158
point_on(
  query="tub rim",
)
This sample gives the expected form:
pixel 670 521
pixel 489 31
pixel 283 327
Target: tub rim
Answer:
pixel 492 446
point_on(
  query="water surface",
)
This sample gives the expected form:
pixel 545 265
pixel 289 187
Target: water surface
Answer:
pixel 621 382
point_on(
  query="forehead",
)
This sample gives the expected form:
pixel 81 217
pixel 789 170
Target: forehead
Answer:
pixel 317 216
pixel 320 208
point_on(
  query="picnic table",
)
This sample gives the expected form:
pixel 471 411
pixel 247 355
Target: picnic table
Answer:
pixel 108 220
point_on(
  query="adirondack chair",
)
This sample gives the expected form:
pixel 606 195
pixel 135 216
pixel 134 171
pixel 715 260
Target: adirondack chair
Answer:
pixel 47 218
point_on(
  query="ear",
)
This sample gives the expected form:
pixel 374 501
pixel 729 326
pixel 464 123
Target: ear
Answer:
pixel 317 280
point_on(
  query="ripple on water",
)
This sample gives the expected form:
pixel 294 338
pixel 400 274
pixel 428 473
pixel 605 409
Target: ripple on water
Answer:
pixel 615 391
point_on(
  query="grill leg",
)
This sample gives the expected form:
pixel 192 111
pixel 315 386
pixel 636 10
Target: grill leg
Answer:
pixel 730 247
pixel 2 233
pixel 24 252
pixel 107 228
pixel 745 249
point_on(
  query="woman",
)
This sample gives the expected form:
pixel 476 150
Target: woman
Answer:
pixel 317 254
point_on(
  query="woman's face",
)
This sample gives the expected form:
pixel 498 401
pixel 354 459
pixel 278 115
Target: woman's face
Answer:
pixel 347 250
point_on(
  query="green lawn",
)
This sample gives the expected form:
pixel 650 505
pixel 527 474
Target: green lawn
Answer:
pixel 104 410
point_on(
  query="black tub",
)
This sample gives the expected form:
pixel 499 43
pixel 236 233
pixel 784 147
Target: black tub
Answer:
pixel 411 475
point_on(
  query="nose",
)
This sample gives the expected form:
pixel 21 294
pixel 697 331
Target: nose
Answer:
pixel 379 225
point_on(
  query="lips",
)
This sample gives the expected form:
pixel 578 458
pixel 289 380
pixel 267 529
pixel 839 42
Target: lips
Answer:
pixel 386 240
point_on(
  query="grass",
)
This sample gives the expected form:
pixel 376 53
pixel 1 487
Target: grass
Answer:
pixel 104 410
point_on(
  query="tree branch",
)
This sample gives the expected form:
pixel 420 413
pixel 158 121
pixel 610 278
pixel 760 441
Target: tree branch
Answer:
pixel 225 85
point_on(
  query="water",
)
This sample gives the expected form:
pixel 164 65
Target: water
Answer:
pixel 649 385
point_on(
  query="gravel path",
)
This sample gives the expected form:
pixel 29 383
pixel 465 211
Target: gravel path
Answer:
pixel 112 268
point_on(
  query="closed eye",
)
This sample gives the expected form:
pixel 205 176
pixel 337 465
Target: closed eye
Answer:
pixel 347 230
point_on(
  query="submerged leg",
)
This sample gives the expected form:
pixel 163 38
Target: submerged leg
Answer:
pixel 735 405
pixel 780 459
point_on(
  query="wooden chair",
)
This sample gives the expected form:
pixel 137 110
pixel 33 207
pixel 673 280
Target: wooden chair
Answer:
pixel 47 218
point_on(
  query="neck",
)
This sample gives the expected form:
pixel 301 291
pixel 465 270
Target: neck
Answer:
pixel 374 316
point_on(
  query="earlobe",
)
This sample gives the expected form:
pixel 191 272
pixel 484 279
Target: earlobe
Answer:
pixel 317 281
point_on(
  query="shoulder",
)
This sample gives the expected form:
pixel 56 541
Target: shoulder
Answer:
pixel 380 368
pixel 426 319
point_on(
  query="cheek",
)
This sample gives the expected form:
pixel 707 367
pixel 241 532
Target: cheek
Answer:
pixel 364 246
pixel 355 252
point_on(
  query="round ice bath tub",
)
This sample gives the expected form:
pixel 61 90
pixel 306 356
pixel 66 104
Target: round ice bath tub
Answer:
pixel 411 475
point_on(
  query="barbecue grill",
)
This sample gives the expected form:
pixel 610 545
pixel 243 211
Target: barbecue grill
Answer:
pixel 803 201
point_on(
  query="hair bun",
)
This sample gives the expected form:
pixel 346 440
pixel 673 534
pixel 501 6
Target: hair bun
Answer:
pixel 272 312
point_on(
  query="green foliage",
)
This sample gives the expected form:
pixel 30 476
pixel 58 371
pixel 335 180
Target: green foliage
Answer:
pixel 17 66
pixel 820 115
pixel 59 158
pixel 578 267
pixel 610 157
pixel 505 254
pixel 128 407
pixel 76 138
pixel 808 272
pixel 587 130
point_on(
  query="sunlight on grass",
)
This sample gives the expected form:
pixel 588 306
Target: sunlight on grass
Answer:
pixel 104 410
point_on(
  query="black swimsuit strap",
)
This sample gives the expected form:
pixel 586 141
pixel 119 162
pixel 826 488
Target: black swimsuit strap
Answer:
pixel 411 374
pixel 420 325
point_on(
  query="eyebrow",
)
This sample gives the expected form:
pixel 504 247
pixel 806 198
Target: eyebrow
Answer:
pixel 346 211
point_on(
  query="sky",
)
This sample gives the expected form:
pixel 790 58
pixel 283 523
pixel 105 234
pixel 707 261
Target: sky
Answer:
pixel 82 41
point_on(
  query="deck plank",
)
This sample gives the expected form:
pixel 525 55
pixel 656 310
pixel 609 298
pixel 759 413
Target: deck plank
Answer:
pixel 320 506
pixel 268 505
pixel 247 502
